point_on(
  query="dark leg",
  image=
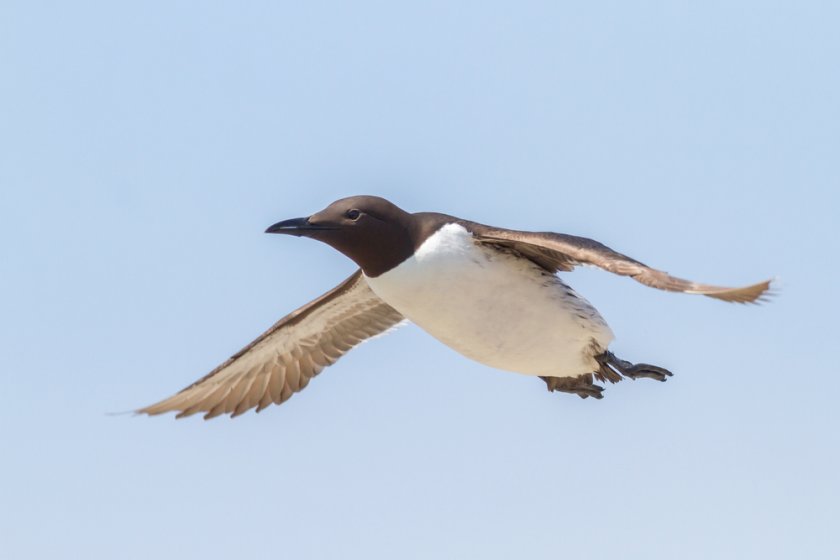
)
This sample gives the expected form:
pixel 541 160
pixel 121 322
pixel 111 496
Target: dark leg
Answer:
pixel 581 386
pixel 612 365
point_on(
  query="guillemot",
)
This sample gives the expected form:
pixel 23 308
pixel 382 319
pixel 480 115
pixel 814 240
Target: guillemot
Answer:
pixel 492 294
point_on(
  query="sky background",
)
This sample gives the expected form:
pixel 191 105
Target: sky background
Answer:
pixel 144 148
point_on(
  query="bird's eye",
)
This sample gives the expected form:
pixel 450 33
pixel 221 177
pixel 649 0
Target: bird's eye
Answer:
pixel 353 214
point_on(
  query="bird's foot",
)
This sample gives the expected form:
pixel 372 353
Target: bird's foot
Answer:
pixel 581 386
pixel 612 364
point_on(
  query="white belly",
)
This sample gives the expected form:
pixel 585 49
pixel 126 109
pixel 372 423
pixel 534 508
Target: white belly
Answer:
pixel 497 309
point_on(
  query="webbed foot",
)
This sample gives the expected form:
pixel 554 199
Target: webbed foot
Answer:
pixel 581 386
pixel 611 364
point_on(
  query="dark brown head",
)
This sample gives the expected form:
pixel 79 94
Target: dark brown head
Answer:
pixel 376 234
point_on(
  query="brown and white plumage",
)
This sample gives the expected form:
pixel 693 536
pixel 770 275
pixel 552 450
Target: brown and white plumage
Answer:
pixel 486 292
pixel 282 360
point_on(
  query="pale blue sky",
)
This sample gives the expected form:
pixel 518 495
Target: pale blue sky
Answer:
pixel 145 147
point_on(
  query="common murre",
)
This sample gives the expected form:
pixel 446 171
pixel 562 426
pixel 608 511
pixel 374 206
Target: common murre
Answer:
pixel 490 293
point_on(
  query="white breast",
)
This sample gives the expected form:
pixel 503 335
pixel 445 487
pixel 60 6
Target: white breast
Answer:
pixel 495 308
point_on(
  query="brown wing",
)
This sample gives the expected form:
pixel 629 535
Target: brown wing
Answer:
pixel 285 357
pixel 558 251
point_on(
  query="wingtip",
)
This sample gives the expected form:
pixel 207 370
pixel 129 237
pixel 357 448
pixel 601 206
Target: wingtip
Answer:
pixel 756 294
pixel 160 408
pixel 148 411
pixel 179 414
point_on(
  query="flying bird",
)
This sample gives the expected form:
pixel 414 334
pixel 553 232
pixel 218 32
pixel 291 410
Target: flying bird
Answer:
pixel 490 293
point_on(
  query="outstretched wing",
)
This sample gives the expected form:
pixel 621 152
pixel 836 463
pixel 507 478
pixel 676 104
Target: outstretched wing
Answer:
pixel 558 251
pixel 282 360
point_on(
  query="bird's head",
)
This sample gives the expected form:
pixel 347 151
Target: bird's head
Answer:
pixel 373 232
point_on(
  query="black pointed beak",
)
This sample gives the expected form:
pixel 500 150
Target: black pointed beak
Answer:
pixel 296 226
pixel 292 226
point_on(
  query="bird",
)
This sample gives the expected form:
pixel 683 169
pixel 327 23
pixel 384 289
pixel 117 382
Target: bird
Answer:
pixel 492 294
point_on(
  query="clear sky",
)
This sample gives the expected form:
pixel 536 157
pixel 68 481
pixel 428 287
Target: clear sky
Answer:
pixel 144 148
